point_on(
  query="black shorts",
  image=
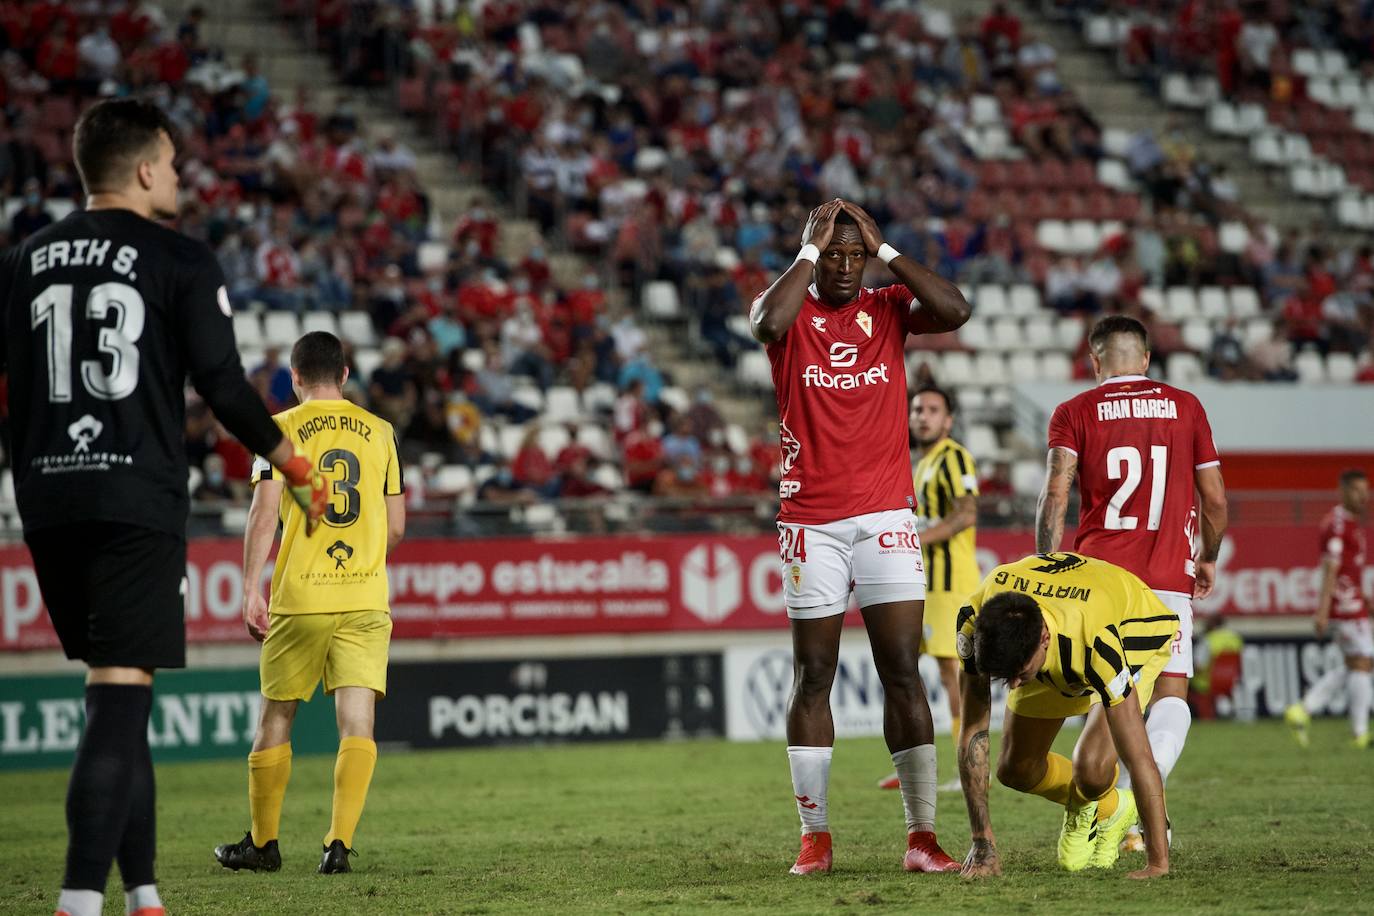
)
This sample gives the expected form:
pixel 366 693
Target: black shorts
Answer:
pixel 115 593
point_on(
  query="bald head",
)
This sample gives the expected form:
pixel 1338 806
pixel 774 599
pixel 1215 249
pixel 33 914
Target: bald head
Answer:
pixel 1119 346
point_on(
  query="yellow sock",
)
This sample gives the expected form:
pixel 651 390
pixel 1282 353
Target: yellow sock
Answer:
pixel 1057 781
pixel 352 775
pixel 269 770
pixel 1106 803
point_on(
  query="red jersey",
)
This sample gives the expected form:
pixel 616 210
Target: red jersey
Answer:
pixel 840 378
pixel 1138 444
pixel 1342 542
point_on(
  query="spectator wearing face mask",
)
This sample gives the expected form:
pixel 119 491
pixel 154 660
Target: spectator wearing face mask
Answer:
pixel 32 216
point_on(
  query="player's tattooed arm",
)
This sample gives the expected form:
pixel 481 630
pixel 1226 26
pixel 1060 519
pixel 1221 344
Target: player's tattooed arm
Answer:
pixel 777 307
pixel 1061 465
pixel 976 693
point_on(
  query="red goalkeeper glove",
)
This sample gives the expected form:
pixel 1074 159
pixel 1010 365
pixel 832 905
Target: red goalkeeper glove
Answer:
pixel 306 486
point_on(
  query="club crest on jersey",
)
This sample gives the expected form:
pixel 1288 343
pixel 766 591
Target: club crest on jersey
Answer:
pixel 866 322
pixel 818 323
pixel 796 578
pixel 84 432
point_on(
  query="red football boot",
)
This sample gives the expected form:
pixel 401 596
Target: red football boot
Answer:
pixel 923 853
pixel 815 856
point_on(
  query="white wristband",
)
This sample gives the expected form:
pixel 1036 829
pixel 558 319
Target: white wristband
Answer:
pixel 886 252
pixel 810 253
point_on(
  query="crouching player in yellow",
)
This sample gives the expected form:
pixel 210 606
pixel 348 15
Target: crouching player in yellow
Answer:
pixel 329 617
pixel 1070 635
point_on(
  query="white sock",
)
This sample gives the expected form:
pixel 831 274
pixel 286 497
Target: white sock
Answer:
pixel 916 773
pixel 1361 688
pixel 1319 694
pixel 810 782
pixel 141 896
pixel 80 903
pixel 1168 724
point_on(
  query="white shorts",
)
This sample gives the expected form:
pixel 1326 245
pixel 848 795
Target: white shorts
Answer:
pixel 1181 665
pixel 1354 636
pixel 878 555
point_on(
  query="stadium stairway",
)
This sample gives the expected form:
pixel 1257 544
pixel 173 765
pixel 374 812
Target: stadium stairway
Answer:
pixel 1120 102
pixel 289 65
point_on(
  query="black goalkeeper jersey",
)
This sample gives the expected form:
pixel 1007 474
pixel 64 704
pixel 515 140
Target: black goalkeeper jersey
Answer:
pixel 102 318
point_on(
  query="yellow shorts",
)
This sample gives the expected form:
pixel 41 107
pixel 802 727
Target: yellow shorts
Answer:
pixel 941 622
pixel 1041 701
pixel 346 650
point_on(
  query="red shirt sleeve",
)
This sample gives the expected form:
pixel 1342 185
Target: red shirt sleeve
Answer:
pixel 1333 538
pixel 1065 433
pixel 1204 449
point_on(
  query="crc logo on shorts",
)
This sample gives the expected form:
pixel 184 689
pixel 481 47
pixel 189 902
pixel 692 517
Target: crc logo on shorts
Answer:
pixel 794 575
pixel 712 582
pixel 843 355
pixel 84 432
pixel 767 685
pixel 340 553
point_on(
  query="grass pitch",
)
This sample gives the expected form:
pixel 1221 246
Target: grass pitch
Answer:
pixel 1259 824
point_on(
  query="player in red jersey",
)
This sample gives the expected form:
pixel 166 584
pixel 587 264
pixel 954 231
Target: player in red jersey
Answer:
pixel 1344 603
pixel 1144 457
pixel 837 352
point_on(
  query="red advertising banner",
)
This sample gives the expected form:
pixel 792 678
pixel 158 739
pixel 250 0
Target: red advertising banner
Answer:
pixel 453 588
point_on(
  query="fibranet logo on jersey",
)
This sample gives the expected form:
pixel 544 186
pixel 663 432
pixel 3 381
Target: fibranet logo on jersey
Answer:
pixel 842 356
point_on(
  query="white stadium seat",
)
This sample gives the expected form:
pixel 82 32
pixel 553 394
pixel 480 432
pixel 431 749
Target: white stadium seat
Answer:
pixel 984 110
pixel 991 300
pixel 1184 369
pixel 1310 367
pixel 1039 334
pixel 1340 368
pixel 319 321
pixel 661 300
pixel 432 257
pixel 1197 335
pixel 1265 148
pixel 1024 299
pixel 1053 235
pixel 1251 118
pixel 1068 333
pixel 595 439
pixel 1084 235
pixel 1027 477
pixel 1333 63
pixel 990 369
pixel 1056 367
pixel 452 479
pixel 1306 62
pixel 1152 297
pixel 509 439
pixel 247 329
pixel 280 329
pixel 981 440
pixel 553 438
pixel 976 334
pixel 1233 237
pixel 1114 174
pixel 675 398
pixel 1223 119
pixel 365 360
pixel 528 396
pixel 754 370
pixel 356 327
pixel 1213 303
pixel 1180 303
pixel 1023 367
pixel 600 397
pixel 1349 93
pixel 958 369
pixel 1007 335
pixel 1245 302
pixel 1116 142
pixel 562 404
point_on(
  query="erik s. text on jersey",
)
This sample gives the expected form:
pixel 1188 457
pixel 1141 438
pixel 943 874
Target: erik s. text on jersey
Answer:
pixel 81 253
pixel 329 421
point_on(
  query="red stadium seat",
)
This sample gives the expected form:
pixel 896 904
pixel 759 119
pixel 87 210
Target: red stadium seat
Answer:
pixel 410 96
pixel 979 205
pixel 1100 206
pixel 52 145
pixel 57 113
pixel 1125 207
pixel 1022 174
pixel 993 175
pixel 1037 205
pixel 1053 174
pixel 1071 205
pixel 1082 174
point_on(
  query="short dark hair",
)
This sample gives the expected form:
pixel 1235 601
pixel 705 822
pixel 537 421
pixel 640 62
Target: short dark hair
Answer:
pixel 318 359
pixel 844 219
pixel 1006 634
pixel 931 388
pixel 1350 475
pixel 111 135
pixel 1109 327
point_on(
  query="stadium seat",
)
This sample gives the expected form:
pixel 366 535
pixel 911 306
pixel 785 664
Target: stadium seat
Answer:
pixel 1007 334
pixel 1306 62
pixel 1233 237
pixel 976 334
pixel 1349 93
pixel 1351 211
pixel 540 517
pixel 931 359
pixel 1114 174
pixel 1084 236
pixel 990 369
pixel 247 329
pixel 991 301
pixel 1321 91
pixel 1257 331
pixel 365 360
pixel 234 519
pixel 596 440
pixel 675 398
pixel 473 359
pixel 1024 300
pixel 1251 118
pixel 529 396
pixel 1333 63
pixel 661 300
pixel 1068 333
pixel 356 327
pixel 452 479
pixel 1245 302
pixel 599 397
pixel 1364 118
pixel 1197 335
pixel 754 370
pixel 1053 235
pixel 1310 367
pixel 1303 180
pixel 1039 334
pixel 250 358
pixel 736 439
pixel 1180 303
pixel 1296 148
pixel 509 438
pixel 1116 142
pixel 1152 297
pixel 1266 149
pixel 553 438
pixel 971 399
pixel 280 329
pixel 1023 366
pixel 981 440
pixel 562 404
pixel 432 257
pixel 1027 477
pixel 1056 367
pixel 1183 369
pixel 1213 303
pixel 609 477
pixel 1099 32
pixel 1340 368
pixel 1223 119
pixel 958 369
pixel 319 321
pixel 984 110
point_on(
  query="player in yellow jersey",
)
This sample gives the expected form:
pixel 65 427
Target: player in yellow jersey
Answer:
pixel 329 616
pixel 1070 635
pixel 946 484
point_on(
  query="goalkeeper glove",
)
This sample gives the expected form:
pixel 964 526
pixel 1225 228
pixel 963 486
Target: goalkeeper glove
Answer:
pixel 306 486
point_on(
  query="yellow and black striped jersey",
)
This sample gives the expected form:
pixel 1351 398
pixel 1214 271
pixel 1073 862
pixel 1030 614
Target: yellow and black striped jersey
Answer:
pixel 1104 623
pixel 343 566
pixel 945 473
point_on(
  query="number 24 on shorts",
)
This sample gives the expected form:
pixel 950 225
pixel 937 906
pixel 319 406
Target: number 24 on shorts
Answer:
pixel 792 544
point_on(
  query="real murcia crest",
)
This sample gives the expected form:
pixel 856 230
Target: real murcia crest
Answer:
pixel 865 322
pixel 818 323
